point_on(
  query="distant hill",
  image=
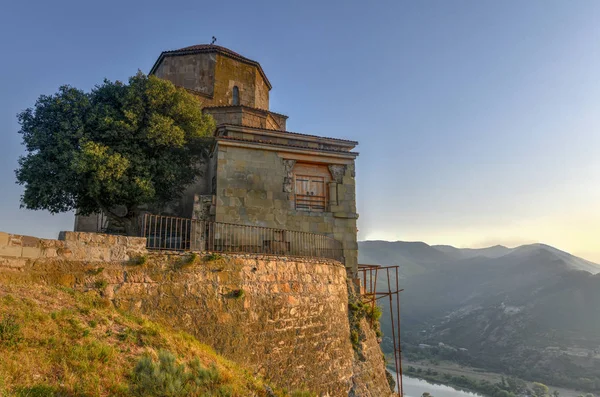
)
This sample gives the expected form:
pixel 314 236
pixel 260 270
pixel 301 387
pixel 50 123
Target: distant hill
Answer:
pixel 418 257
pixel 412 257
pixel 465 253
pixel 533 310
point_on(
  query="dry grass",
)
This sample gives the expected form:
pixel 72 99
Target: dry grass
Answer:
pixel 76 344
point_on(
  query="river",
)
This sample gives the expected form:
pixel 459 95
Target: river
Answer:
pixel 414 387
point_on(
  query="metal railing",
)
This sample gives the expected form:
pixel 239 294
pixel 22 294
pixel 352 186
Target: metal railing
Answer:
pixel 184 234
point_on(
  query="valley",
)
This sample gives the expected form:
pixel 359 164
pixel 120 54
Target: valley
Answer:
pixel 530 312
pixel 454 369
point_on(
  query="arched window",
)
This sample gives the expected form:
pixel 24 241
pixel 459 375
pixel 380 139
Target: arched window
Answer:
pixel 236 96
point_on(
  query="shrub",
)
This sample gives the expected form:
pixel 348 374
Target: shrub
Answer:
pixel 391 380
pixel 126 335
pixel 100 284
pixel 169 379
pixel 213 257
pixel 10 331
pixel 354 338
pixel 188 259
pixel 373 312
pixel 138 260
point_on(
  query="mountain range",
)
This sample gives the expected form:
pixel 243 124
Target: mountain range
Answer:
pixel 532 310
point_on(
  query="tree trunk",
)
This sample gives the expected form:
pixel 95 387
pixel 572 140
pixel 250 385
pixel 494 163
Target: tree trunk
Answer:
pixel 132 224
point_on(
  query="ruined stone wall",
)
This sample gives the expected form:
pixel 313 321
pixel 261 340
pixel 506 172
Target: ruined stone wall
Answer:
pixel 90 247
pixel 250 189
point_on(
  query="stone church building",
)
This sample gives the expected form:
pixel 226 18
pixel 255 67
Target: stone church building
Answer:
pixel 259 173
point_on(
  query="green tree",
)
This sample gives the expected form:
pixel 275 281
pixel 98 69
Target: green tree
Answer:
pixel 539 389
pixel 118 149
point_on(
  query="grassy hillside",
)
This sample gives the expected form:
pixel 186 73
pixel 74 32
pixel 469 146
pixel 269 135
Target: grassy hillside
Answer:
pixel 57 342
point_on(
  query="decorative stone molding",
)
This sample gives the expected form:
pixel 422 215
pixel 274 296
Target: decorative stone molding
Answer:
pixel 288 180
pixel 337 172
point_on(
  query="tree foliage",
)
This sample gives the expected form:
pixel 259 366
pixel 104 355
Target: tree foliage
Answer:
pixel 539 389
pixel 125 146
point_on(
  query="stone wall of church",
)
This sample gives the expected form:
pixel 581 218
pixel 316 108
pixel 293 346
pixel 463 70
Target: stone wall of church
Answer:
pixel 195 72
pixel 213 77
pixel 261 92
pixel 251 188
pixel 248 117
pixel 253 91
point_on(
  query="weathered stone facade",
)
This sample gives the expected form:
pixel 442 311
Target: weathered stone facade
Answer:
pixel 253 187
pixel 287 318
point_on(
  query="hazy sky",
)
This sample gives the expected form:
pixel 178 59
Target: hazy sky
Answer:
pixel 478 121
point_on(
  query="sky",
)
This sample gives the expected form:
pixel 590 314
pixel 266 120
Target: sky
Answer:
pixel 478 121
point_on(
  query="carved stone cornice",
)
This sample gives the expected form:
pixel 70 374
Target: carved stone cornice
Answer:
pixel 337 172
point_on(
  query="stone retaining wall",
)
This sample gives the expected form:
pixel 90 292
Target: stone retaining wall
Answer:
pixel 286 318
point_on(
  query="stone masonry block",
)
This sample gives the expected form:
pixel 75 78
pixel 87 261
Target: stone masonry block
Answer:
pixel 28 241
pixel 31 252
pixel 11 251
pixel 67 236
pixel 13 263
pixel 335 208
pixel 50 252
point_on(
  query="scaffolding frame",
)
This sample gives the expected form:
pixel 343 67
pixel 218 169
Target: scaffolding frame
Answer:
pixel 370 294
